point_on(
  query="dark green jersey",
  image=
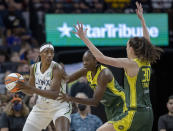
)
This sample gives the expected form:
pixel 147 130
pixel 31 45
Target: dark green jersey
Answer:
pixel 137 87
pixel 114 96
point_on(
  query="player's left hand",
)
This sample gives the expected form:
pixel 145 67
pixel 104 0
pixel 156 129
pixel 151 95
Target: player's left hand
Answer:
pixel 139 11
pixel 63 97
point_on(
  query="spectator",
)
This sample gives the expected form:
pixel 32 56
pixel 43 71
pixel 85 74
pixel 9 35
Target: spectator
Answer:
pixel 31 55
pixel 159 5
pixel 81 86
pixel 2 56
pixel 166 121
pixel 147 5
pixel 3 11
pixel 14 116
pixel 15 57
pixel 23 68
pixel 25 47
pixel 83 120
pixel 3 102
pixel 13 19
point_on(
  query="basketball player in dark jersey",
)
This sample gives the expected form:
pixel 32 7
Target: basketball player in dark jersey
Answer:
pixel 141 53
pixel 106 88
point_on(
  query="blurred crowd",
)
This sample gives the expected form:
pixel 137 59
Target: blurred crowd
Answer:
pixel 22 26
pixel 22 32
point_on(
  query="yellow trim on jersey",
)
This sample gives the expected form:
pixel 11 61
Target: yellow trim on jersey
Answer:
pixel 51 75
pixel 140 63
pixel 35 67
pixel 94 80
pixel 132 85
pixel 125 123
pixel 111 86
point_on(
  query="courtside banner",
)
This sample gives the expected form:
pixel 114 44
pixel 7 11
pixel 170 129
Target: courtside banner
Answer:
pixel 105 29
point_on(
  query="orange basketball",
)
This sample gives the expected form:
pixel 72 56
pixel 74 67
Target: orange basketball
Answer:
pixel 10 82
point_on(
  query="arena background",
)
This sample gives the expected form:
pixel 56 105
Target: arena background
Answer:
pixel 161 85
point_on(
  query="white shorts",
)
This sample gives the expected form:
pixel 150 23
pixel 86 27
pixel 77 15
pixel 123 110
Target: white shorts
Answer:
pixel 44 112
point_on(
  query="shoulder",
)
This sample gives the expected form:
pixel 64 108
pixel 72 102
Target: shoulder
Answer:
pixel 74 115
pixel 33 66
pixel 96 118
pixel 131 62
pixel 3 115
pixel 56 65
pixel 106 73
pixel 163 117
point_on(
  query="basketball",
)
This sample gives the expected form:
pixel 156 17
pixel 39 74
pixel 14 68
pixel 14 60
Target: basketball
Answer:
pixel 10 82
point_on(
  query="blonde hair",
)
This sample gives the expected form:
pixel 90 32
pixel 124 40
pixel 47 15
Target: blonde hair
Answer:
pixel 9 109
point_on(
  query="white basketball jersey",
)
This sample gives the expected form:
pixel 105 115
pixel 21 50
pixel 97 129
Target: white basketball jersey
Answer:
pixel 43 80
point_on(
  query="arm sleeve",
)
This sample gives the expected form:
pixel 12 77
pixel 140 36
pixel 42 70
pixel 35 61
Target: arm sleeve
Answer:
pixel 161 123
pixel 4 121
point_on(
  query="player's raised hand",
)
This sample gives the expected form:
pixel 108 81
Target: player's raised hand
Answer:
pixel 80 30
pixel 139 11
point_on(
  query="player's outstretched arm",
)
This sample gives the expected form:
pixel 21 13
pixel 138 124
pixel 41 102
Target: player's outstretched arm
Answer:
pixel 104 78
pixel 117 62
pixel 76 75
pixel 139 12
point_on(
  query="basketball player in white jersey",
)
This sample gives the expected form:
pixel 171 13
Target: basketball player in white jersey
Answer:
pixel 46 80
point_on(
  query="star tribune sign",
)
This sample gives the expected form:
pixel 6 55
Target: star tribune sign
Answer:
pixel 65 30
pixel 110 31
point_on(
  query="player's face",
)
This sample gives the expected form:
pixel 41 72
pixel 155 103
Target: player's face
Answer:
pixel 129 50
pixel 170 105
pixel 89 62
pixel 47 55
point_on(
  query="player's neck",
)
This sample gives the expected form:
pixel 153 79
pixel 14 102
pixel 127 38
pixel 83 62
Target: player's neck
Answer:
pixel 93 72
pixel 44 66
pixel 132 57
pixel 83 114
